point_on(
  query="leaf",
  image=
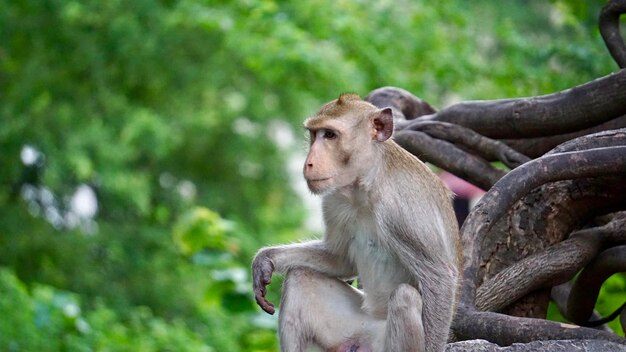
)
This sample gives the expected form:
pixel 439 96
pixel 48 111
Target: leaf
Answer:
pixel 198 229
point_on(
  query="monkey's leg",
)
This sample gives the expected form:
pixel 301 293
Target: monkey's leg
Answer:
pixel 319 310
pixel 405 331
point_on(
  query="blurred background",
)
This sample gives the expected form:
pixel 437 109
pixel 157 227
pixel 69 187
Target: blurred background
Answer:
pixel 149 148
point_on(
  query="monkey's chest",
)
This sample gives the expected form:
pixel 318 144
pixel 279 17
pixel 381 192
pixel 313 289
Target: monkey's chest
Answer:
pixel 379 270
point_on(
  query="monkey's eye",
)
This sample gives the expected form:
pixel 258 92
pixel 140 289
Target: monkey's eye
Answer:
pixel 329 134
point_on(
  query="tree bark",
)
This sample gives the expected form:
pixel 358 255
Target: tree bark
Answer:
pixel 537 346
pixel 609 28
pixel 536 147
pixel 506 330
pixel 568 111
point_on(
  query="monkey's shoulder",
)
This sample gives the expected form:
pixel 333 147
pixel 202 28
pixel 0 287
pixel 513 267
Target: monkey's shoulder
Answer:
pixel 401 164
pixel 410 179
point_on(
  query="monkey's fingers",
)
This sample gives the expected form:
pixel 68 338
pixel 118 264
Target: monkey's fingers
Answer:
pixel 266 305
pixel 262 270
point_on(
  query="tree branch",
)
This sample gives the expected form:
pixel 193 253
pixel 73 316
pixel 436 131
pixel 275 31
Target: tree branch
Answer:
pixel 406 103
pixel 447 156
pixel 537 346
pixel 487 148
pixel 518 182
pixel 612 138
pixel 567 111
pixel 609 28
pixel 535 147
pixel 585 291
pixel 560 294
pixel 506 330
pixel 555 265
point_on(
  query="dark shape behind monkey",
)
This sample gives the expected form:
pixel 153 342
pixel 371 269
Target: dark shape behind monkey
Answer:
pixel 388 220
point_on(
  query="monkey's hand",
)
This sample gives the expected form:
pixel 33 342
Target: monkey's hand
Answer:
pixel 262 269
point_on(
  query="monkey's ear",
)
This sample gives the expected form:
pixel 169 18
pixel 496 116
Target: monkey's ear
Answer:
pixel 383 124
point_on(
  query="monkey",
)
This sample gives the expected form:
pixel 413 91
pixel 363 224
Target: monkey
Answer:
pixel 388 220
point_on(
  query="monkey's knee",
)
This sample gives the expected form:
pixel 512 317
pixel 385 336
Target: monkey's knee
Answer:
pixel 304 288
pixel 302 280
pixel 405 298
pixel 298 274
pixel 405 329
pixel 297 283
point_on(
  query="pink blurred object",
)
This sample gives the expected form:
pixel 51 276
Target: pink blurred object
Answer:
pixel 460 187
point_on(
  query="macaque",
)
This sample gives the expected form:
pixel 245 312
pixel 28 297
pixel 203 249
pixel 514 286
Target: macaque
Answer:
pixel 389 221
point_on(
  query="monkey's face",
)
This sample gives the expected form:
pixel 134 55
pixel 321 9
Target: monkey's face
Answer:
pixel 344 137
pixel 328 164
pixel 339 154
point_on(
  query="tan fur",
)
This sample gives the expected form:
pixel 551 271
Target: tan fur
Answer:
pixel 388 220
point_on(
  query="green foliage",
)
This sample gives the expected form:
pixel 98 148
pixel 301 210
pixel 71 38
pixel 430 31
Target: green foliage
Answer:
pixel 19 332
pixel 175 115
pixel 52 320
pixel 198 229
pixel 612 297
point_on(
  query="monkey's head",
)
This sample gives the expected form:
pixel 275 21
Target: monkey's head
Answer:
pixel 345 138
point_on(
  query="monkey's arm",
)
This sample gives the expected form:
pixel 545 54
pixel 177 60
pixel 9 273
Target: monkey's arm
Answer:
pixel 423 263
pixel 313 254
pixel 422 248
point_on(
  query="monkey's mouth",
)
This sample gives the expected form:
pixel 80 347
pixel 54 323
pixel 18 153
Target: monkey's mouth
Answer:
pixel 319 179
pixel 316 185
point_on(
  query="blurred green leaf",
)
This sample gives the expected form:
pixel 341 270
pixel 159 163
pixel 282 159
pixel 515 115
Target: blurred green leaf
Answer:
pixel 200 228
